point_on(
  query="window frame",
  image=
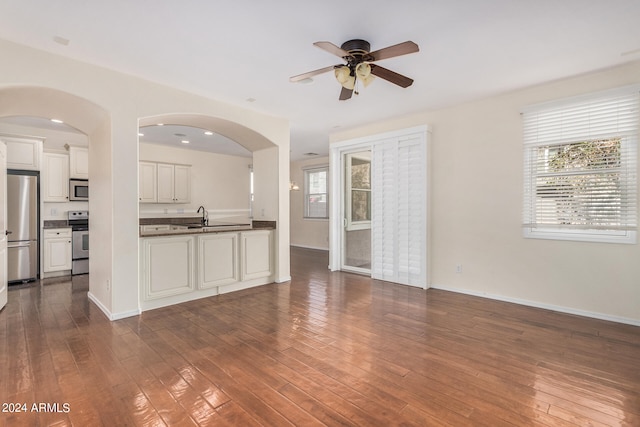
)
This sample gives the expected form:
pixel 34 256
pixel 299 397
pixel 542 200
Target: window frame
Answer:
pixel 351 224
pixel 306 190
pixel 627 170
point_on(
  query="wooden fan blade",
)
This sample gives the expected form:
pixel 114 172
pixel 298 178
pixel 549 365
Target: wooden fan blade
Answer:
pixel 311 74
pixel 332 48
pixel 391 76
pixel 345 94
pixel 393 51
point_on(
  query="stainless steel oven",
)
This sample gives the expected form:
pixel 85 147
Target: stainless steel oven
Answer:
pixel 79 222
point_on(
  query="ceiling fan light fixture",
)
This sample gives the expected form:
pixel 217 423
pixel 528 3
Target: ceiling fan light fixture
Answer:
pixel 344 77
pixel 359 65
pixel 363 73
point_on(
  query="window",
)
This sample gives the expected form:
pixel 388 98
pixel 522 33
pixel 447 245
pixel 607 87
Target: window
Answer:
pixel 315 192
pixel 358 190
pixel 580 168
pixel 251 192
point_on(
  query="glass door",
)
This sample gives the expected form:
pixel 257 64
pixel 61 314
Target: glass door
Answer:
pixel 356 251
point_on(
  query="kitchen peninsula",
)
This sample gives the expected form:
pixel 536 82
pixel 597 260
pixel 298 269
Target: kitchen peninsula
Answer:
pixel 182 259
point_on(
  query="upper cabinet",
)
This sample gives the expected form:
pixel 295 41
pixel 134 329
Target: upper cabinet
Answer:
pixel 23 153
pixel 78 162
pixel 182 184
pixel 55 178
pixel 164 183
pixel 147 182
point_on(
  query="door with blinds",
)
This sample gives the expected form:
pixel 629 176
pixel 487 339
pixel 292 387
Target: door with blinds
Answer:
pixel 397 199
pixel 399 232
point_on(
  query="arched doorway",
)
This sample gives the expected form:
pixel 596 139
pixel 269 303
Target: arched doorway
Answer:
pixel 93 121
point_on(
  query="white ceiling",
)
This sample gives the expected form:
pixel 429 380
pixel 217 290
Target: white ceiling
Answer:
pixel 243 52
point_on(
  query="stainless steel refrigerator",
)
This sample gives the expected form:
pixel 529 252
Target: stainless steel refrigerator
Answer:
pixel 22 226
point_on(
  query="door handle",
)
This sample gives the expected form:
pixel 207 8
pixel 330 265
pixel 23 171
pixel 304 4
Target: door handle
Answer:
pixel 7 232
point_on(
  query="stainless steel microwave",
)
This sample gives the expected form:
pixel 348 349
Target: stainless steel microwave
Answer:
pixel 78 189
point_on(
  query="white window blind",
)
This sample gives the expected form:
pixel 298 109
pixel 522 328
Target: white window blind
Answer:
pixel 399 211
pixel 580 166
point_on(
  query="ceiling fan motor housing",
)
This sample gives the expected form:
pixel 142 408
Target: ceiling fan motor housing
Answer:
pixel 356 47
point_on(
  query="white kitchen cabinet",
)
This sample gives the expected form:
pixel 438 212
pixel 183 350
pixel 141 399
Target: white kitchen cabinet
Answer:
pixel 217 260
pixel 79 162
pixel 168 266
pixel 55 178
pixel 256 254
pixel 23 153
pixel 147 182
pixel 57 249
pixel 174 183
pixel 182 184
pixel 184 267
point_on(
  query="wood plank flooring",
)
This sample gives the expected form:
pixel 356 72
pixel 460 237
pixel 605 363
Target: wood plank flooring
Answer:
pixel 326 349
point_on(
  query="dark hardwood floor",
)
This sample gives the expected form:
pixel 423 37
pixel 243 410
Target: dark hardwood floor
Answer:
pixel 325 349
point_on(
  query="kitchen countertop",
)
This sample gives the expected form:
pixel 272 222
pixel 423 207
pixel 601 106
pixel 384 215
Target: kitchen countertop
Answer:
pixel 55 223
pixel 214 227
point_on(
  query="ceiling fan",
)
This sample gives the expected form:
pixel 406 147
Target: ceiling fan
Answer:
pixel 359 65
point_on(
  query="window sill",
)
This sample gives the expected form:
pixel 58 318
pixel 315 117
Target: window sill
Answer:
pixel 624 237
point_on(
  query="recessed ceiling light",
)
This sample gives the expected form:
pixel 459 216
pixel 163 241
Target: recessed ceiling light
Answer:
pixel 208 132
pixel 140 134
pixel 57 121
pixel 184 141
pixel 180 134
pixel 160 124
pixel 61 40
pixel 251 100
pixel 310 154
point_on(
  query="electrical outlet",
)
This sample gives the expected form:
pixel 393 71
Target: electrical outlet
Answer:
pixel 54 211
pixel 459 268
pixel 108 285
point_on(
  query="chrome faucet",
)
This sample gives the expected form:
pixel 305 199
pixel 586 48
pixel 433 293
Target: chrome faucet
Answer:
pixel 205 215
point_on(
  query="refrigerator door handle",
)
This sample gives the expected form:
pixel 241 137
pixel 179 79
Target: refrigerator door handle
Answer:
pixel 19 244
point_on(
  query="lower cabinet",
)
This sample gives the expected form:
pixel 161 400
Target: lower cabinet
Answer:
pixel 217 260
pixel 175 269
pixel 57 249
pixel 256 254
pixel 168 264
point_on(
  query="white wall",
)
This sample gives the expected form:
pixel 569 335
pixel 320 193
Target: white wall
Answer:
pixel 308 233
pixel 219 182
pixel 476 205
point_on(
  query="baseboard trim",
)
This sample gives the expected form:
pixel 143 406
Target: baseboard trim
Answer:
pixel 107 312
pixel 552 307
